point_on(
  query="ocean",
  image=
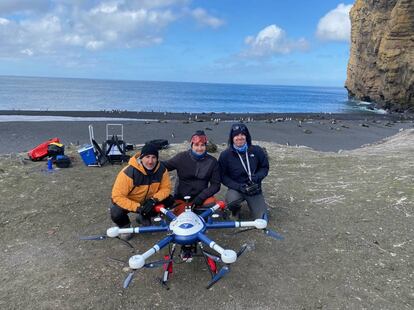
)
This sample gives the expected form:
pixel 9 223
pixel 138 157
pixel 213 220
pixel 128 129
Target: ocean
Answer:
pixel 36 93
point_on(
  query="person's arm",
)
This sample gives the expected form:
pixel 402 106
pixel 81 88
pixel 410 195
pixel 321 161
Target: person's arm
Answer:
pixel 225 179
pixel 214 181
pixel 122 187
pixel 172 163
pixel 165 187
pixel 262 166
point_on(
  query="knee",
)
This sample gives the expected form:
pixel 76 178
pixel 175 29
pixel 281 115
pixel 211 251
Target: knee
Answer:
pixel 117 213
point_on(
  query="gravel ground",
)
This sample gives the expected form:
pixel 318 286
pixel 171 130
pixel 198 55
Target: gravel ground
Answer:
pixel 347 218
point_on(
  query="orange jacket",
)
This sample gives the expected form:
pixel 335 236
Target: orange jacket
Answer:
pixel 133 185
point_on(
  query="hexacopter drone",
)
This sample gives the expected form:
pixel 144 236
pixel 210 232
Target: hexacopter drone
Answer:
pixel 188 230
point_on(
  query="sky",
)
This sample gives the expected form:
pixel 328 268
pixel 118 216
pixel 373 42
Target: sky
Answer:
pixel 272 42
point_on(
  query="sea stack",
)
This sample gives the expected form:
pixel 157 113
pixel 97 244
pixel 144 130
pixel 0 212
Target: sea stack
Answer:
pixel 381 62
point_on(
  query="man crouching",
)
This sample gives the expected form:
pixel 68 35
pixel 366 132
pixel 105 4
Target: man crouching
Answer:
pixel 139 187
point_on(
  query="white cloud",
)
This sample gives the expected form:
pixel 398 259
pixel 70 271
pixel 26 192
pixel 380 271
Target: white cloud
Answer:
pixel 14 6
pixel 4 21
pixel 75 25
pixel 335 25
pixel 203 18
pixel 270 41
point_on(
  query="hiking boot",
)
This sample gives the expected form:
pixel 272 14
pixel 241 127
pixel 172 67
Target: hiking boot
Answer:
pixel 126 236
pixel 235 214
pixel 142 220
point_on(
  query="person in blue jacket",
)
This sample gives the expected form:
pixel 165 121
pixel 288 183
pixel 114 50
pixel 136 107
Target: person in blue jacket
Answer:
pixel 243 166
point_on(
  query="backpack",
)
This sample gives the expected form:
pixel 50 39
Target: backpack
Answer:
pixel 159 143
pixel 41 151
pixel 62 161
pixel 54 149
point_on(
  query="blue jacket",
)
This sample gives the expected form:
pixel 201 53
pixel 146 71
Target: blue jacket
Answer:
pixel 234 176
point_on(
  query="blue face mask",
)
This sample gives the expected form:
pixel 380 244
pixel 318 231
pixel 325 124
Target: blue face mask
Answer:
pixel 241 149
pixel 198 156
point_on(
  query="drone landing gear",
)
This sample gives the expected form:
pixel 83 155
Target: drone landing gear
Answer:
pixel 168 268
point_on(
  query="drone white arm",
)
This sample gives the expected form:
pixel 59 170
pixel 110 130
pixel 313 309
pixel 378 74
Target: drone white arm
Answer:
pixel 227 256
pixel 114 232
pixel 138 261
pixel 257 223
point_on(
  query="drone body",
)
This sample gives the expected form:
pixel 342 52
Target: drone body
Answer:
pixel 188 229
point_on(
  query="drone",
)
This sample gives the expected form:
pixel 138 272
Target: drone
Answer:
pixel 188 230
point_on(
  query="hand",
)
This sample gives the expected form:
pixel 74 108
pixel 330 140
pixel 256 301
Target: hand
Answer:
pixel 252 189
pixel 146 208
pixel 242 188
pixel 197 202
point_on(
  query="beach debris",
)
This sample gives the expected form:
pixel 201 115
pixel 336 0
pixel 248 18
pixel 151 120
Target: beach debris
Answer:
pixel 364 125
pixel 208 128
pixel 307 131
pixel 211 147
pixel 344 126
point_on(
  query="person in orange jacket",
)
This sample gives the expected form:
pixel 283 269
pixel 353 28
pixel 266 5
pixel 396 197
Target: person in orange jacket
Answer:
pixel 139 186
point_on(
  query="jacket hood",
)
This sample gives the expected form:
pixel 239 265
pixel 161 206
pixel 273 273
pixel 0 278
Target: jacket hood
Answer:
pixel 235 130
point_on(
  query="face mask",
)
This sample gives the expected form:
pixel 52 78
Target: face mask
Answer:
pixel 241 149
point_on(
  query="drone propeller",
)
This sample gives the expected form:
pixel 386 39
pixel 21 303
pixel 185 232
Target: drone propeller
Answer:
pixel 222 272
pixel 242 249
pixel 97 237
pixel 268 232
pixel 273 234
pixel 128 279
pixel 155 264
pixel 104 237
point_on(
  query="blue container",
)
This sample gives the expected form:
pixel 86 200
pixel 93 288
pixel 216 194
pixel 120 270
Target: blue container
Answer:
pixel 88 155
pixel 49 164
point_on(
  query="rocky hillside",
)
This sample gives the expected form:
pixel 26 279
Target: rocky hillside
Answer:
pixel 381 63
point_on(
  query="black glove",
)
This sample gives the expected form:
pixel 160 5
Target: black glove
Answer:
pixel 242 188
pixel 197 202
pixel 252 189
pixel 146 208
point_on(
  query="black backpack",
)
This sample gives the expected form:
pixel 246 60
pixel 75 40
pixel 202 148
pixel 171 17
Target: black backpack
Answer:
pixel 159 143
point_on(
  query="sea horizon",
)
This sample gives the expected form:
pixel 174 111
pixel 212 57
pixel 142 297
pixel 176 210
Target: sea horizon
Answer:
pixel 86 94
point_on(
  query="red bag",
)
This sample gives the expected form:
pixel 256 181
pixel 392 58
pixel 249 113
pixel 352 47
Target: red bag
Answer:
pixel 41 151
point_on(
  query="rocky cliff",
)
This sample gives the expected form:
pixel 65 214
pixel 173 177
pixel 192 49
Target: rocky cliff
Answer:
pixel 381 63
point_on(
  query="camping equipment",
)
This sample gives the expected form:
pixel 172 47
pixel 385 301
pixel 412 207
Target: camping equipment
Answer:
pixel 62 161
pixel 54 149
pixel 114 147
pixel 41 151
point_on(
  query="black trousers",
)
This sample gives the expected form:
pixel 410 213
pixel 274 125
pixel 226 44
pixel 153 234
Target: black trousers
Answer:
pixel 120 216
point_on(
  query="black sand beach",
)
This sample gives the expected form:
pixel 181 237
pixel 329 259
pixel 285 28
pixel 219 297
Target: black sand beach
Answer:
pixel 322 132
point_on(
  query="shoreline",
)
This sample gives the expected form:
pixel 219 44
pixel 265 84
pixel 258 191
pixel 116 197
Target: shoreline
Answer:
pixel 208 116
pixel 321 132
